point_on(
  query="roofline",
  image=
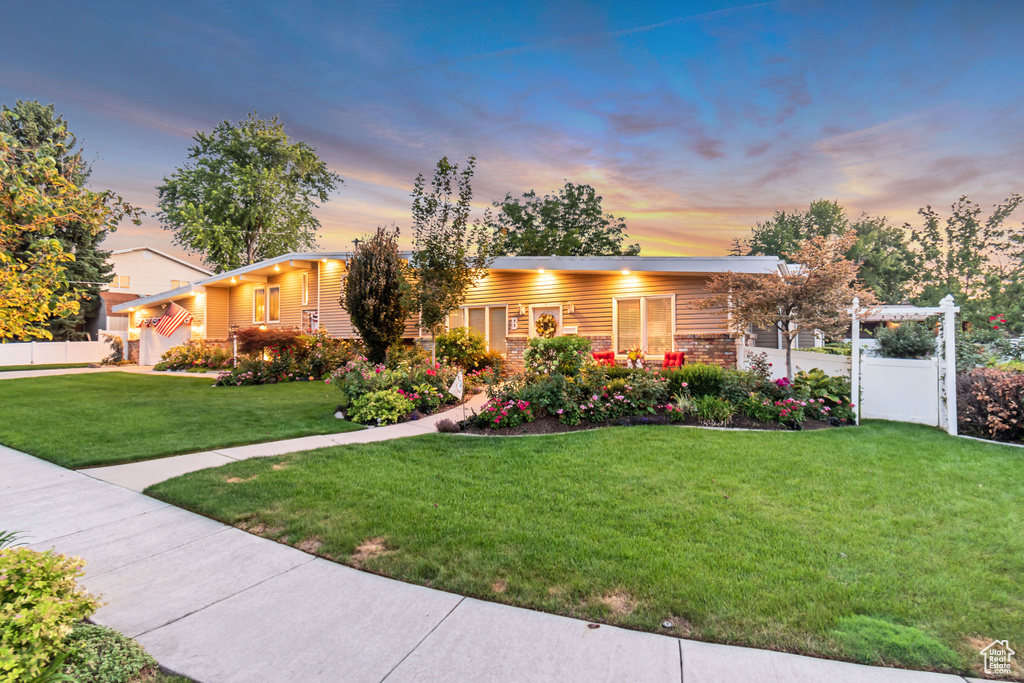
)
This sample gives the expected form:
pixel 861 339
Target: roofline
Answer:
pixel 170 295
pixel 165 255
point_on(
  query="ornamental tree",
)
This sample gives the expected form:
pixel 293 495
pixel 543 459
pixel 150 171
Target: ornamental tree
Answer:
pixel 374 292
pixel 815 295
pixel 449 254
pixel 247 193
pixel 36 199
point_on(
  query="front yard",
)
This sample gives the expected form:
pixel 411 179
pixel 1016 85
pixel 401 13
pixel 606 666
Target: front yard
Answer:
pixel 887 544
pixel 114 417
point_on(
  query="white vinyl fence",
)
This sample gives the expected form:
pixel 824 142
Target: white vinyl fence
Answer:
pixel 46 353
pixel 891 389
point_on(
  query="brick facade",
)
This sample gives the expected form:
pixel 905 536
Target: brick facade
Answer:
pixel 514 347
pixel 709 347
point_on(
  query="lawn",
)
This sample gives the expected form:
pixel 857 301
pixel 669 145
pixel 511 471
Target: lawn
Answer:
pixel 115 417
pixel 886 544
pixel 52 366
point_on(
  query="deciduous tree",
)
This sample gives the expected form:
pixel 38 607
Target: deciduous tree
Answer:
pixel 568 223
pixel 36 198
pixel 449 254
pixel 375 292
pixel 814 296
pixel 246 194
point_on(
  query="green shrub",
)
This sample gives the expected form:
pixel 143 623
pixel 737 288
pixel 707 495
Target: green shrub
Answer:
pixel 908 340
pixel 700 379
pixel 511 412
pixel 760 408
pixel 408 354
pixel 194 355
pixel 253 340
pixel 39 601
pixel 816 384
pixel 462 346
pixel 713 409
pixel 679 408
pixel 566 355
pixel 380 407
pixel 738 385
pixel 97 654
pixel 875 641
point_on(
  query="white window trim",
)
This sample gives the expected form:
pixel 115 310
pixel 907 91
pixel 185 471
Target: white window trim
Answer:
pixel 558 319
pixel 464 309
pixel 267 308
pixel 305 289
pixel 255 296
pixel 643 320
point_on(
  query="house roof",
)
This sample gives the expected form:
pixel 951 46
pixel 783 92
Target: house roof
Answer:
pixel 165 255
pixel 111 299
pixel 702 265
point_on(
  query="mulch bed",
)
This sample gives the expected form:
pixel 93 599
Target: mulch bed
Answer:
pixel 550 425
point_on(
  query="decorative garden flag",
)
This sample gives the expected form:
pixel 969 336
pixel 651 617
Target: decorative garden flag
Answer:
pixel 456 388
pixel 173 318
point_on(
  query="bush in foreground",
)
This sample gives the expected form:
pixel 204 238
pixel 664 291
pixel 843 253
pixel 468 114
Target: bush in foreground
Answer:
pixel 990 404
pixel 97 654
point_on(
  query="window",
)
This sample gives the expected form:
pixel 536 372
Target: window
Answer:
pixel 647 321
pixel 305 288
pixel 178 283
pixel 121 282
pixel 259 304
pixel 274 304
pixel 490 321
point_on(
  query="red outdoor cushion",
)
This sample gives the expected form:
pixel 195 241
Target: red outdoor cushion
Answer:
pixel 674 359
pixel 604 357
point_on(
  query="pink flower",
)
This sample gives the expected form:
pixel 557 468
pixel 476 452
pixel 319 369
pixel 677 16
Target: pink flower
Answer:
pixel 327 381
pixel 431 372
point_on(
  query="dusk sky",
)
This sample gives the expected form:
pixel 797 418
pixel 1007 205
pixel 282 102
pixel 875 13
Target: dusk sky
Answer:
pixel 694 120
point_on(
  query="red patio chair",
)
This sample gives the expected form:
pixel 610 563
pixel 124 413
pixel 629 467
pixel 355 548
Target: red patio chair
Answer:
pixel 604 357
pixel 674 359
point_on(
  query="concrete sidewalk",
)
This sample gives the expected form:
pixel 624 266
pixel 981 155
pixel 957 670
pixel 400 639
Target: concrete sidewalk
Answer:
pixel 138 475
pixel 216 604
pixel 135 369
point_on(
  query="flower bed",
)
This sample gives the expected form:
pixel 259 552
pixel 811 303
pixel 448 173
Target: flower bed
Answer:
pixel 562 389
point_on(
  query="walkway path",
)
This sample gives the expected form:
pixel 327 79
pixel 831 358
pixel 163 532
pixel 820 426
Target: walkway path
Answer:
pixel 137 369
pixel 138 475
pixel 216 604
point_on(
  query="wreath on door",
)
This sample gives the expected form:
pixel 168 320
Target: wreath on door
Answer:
pixel 546 326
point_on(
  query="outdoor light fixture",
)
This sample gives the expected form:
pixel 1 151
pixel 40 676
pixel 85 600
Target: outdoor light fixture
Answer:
pixel 324 260
pixel 263 327
pixel 540 270
pixel 232 280
pixel 192 293
pixel 625 272
pixel 277 267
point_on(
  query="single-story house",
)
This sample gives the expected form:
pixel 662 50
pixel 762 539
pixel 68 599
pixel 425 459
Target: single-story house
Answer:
pixel 615 301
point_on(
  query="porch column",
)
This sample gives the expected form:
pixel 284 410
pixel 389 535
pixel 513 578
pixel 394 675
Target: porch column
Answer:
pixel 949 311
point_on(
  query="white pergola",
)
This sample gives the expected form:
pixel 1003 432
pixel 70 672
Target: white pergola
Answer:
pixel 948 310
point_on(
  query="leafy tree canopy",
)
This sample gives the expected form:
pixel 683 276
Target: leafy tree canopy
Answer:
pixel 247 193
pixel 39 132
pixel 375 292
pixel 568 223
pixel 36 198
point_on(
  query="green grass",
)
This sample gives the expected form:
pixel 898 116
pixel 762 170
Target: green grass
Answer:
pixel 113 417
pixel 770 540
pixel 53 366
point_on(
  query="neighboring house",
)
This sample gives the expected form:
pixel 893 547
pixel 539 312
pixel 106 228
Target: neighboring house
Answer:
pixel 615 301
pixel 141 271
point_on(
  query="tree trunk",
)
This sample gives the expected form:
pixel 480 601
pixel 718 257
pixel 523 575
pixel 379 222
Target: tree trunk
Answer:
pixel 433 346
pixel 789 358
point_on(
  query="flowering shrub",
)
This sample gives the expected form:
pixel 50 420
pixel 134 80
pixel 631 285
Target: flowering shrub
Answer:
pixel 758 364
pixel 507 413
pixel 713 410
pixel 380 407
pixel 566 355
pixel 425 385
pixel 39 602
pixel 791 409
pixel 194 355
pixel 701 378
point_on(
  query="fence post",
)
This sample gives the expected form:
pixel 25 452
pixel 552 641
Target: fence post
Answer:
pixel 855 361
pixel 949 340
pixel 32 353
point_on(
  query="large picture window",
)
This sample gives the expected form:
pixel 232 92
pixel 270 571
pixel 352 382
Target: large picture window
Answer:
pixel 274 304
pixel 647 321
pixel 259 305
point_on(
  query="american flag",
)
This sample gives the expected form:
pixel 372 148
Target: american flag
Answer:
pixel 173 317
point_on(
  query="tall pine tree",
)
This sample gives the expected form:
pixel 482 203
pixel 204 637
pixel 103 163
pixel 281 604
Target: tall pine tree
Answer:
pixel 38 127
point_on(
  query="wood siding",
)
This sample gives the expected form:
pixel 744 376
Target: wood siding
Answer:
pixel 193 304
pixel 150 275
pixel 240 309
pixel 217 300
pixel 591 295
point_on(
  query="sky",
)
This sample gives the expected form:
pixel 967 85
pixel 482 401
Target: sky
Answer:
pixel 694 120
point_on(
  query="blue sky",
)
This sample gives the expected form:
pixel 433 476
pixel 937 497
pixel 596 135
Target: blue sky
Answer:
pixel 694 120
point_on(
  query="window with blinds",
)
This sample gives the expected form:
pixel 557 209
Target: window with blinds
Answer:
pixel 490 321
pixel 274 304
pixel 645 321
pixel 259 304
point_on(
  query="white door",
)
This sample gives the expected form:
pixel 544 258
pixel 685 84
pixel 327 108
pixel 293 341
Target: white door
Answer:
pixel 550 309
pixel 152 345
